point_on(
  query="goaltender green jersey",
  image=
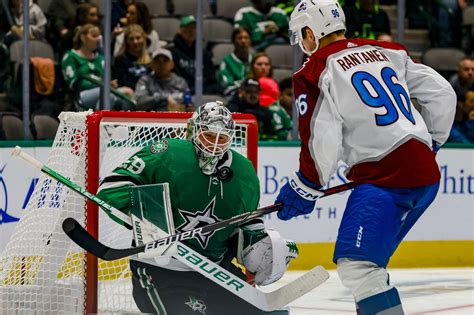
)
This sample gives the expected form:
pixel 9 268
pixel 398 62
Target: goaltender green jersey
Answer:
pixel 196 199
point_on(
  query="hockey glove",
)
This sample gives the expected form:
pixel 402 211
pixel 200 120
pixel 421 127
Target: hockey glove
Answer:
pixel 298 196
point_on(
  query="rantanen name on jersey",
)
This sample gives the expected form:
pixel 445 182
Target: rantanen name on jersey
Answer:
pixel 357 58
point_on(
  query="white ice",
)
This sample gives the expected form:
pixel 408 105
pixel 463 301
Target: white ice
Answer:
pixel 443 291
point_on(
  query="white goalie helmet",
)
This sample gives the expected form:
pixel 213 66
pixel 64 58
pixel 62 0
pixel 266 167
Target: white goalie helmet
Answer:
pixel 323 17
pixel 211 129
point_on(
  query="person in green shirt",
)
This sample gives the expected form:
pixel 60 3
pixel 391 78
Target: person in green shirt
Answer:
pixel 208 182
pixel 267 23
pixel 235 66
pixel 83 62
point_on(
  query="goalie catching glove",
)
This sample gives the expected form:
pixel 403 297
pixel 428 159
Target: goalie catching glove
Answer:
pixel 298 196
pixel 268 258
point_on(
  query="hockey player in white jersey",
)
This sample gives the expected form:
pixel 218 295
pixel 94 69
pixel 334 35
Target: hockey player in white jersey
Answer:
pixel 353 98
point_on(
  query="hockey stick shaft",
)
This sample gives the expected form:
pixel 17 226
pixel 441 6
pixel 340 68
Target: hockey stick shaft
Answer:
pixel 68 183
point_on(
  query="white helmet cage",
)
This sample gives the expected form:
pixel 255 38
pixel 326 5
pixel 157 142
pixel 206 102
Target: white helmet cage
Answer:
pixel 211 130
pixel 323 17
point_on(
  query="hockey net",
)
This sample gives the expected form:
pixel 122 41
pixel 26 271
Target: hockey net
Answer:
pixel 41 270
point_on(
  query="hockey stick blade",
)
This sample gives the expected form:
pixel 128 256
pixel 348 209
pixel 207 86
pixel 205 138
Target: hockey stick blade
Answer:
pixel 81 237
pixel 297 288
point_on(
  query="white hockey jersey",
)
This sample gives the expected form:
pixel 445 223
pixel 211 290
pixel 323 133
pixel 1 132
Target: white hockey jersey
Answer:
pixel 354 103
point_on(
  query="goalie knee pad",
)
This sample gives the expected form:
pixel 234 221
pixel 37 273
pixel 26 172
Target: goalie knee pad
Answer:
pixel 268 258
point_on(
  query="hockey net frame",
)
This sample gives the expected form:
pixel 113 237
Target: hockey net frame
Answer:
pixel 90 143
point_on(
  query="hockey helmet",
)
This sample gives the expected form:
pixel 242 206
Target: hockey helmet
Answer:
pixel 323 17
pixel 211 130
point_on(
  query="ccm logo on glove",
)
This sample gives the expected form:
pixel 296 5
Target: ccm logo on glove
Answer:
pixel 303 190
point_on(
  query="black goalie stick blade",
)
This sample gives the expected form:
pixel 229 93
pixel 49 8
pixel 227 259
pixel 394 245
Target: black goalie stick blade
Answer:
pixel 82 238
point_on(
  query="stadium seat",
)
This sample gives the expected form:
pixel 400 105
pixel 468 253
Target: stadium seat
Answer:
pixel 210 98
pixel 281 73
pixel 11 126
pixel 166 27
pixel 43 4
pixel 468 16
pixel 156 7
pixel 45 126
pixel 219 51
pixel 443 60
pixel 188 7
pixel 227 9
pixel 37 49
pixel 217 30
pixel 281 55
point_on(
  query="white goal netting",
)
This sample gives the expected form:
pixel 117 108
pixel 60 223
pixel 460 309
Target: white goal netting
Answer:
pixel 41 270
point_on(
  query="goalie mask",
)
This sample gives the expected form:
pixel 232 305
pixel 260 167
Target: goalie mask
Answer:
pixel 211 130
pixel 323 17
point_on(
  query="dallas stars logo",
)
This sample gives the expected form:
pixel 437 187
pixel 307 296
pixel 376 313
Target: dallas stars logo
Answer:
pixel 196 305
pixel 199 219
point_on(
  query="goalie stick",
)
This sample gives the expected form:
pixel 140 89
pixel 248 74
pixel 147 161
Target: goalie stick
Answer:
pixel 82 238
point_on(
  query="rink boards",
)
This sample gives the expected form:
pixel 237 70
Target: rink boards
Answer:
pixel 443 237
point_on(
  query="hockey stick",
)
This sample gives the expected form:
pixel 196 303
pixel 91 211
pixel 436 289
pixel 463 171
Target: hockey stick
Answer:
pixel 267 301
pixel 82 238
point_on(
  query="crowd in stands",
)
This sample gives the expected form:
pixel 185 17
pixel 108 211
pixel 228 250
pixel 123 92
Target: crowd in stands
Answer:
pixel 153 70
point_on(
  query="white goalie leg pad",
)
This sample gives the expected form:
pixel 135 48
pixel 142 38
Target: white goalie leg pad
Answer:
pixel 363 278
pixel 268 258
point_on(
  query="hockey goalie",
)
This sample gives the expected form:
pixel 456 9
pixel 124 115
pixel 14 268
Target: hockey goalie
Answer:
pixel 175 186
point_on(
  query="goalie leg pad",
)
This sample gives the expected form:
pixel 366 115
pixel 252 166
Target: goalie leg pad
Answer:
pixel 268 258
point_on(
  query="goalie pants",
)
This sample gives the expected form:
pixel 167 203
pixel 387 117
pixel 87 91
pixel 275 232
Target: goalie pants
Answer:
pixel 163 291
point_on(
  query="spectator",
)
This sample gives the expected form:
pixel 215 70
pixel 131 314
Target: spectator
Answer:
pixel 247 100
pixel 133 59
pixel 463 125
pixel 236 65
pixel 384 37
pixel 267 23
pixel 286 95
pixel 137 13
pixel 37 21
pixel 463 4
pixel 119 12
pixel 463 81
pixel 62 20
pixel 82 65
pixel 184 55
pixel 162 90
pixel 366 20
pixel 261 69
pixel 86 13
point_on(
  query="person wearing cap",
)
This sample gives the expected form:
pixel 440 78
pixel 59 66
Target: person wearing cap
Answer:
pixel 267 23
pixel 247 100
pixel 184 54
pixel 161 90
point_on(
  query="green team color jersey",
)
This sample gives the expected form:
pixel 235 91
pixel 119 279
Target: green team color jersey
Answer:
pixel 254 21
pixel 74 66
pixel 196 199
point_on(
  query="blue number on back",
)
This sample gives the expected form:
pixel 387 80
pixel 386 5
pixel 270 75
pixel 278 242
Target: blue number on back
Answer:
pixel 335 13
pixel 382 99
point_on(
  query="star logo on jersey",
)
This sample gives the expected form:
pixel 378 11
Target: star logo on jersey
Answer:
pixel 196 305
pixel 197 220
